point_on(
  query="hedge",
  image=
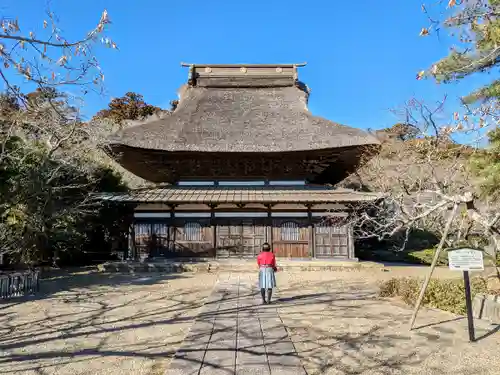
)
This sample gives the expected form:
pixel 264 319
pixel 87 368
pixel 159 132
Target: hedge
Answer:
pixel 446 295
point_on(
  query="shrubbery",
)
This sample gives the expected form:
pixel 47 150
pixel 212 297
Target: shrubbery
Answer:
pixel 446 295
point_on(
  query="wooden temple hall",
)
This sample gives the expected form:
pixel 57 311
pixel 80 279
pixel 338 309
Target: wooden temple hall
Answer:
pixel 239 162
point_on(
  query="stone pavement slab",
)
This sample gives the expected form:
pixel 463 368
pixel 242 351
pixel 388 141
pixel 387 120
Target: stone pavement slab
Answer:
pixel 235 334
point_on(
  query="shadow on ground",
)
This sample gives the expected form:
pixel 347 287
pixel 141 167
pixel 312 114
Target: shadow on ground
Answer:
pixel 81 315
pixel 348 329
pixel 80 278
pixel 133 324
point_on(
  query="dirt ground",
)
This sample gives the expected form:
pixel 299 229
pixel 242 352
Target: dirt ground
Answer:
pixel 93 323
pixel 340 326
pixel 101 324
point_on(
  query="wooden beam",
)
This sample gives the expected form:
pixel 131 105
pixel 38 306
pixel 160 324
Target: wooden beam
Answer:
pixel 193 207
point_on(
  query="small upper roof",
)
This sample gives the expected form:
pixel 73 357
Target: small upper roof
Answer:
pixel 244 75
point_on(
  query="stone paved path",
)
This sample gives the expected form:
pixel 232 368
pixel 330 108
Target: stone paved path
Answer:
pixel 236 334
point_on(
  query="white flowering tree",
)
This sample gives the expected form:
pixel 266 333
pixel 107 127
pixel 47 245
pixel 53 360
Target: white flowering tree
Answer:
pixel 444 179
pixel 47 168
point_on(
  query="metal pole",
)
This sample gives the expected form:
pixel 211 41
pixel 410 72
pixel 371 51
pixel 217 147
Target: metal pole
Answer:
pixel 433 265
pixel 468 304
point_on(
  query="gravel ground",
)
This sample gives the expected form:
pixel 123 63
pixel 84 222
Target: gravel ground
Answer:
pixel 91 323
pixel 340 326
pixel 101 324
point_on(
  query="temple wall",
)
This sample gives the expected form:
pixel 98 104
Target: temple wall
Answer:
pixel 227 231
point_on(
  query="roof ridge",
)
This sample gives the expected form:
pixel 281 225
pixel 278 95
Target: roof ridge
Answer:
pixel 186 65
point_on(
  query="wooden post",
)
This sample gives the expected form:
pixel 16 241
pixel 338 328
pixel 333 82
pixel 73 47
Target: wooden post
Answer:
pixel 132 251
pixel 433 265
pixel 269 228
pixel 350 243
pixel 214 228
pixel 172 230
pixel 312 249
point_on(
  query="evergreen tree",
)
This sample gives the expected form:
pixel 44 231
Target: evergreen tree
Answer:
pixel 476 24
pixel 487 166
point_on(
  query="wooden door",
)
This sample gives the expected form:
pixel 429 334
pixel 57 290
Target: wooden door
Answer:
pixel 291 238
pixel 228 238
pixel 253 236
pixel 159 244
pixel 192 238
pixel 331 240
pixel 240 237
pixel 151 239
pixel 142 238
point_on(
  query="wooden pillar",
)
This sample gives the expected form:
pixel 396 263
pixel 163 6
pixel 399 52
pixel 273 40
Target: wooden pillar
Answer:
pixel 269 226
pixel 312 252
pixel 172 228
pixel 350 242
pixel 214 228
pixel 131 253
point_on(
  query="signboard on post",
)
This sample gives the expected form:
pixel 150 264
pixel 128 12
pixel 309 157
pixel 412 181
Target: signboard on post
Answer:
pixel 465 260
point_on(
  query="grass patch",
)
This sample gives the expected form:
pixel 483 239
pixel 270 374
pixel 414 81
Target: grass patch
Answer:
pixel 405 256
pixel 426 256
pixel 446 295
pixel 421 257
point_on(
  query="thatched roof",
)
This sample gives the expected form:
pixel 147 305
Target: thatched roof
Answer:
pixel 241 112
pixel 239 109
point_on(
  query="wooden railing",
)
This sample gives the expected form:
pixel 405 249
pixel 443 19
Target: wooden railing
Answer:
pixel 18 284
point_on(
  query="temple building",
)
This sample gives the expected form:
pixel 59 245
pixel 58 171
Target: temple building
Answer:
pixel 239 162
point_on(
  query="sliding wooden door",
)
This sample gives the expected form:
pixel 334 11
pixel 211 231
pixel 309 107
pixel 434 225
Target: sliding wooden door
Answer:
pixel 238 237
pixel 291 238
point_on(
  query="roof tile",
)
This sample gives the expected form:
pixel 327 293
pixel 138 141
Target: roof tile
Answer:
pixel 256 195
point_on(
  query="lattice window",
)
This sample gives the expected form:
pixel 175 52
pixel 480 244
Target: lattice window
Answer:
pixel 290 231
pixel 193 231
pixel 160 229
pixel 142 233
pixel 322 228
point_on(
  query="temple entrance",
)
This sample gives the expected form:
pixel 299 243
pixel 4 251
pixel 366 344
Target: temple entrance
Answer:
pixel 151 239
pixel 192 238
pixel 291 238
pixel 240 237
pixel 331 240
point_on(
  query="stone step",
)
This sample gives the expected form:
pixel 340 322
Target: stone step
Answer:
pixel 231 266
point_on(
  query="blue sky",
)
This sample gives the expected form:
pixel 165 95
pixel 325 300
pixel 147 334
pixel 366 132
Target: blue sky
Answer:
pixel 362 56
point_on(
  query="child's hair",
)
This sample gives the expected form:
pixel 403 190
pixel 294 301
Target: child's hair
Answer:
pixel 266 247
